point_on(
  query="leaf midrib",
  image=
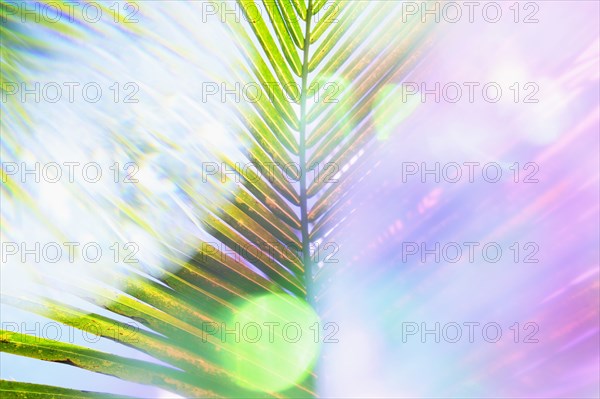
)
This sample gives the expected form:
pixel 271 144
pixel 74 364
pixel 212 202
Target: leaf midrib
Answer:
pixel 302 155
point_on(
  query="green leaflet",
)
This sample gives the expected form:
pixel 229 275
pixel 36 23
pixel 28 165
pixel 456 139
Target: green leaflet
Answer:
pixel 93 360
pixel 23 390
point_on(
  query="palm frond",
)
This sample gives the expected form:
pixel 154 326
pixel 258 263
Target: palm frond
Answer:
pixel 263 226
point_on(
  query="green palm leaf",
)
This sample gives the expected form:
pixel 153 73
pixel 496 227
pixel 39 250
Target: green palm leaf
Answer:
pixel 297 47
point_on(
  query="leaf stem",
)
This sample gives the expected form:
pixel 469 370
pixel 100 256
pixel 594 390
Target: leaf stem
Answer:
pixel 303 194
